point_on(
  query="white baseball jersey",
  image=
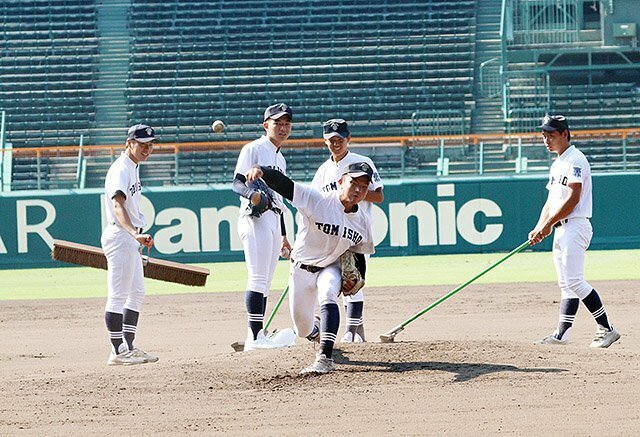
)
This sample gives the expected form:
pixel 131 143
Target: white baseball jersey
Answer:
pixel 329 173
pixel 325 230
pixel 261 152
pixel 570 167
pixel 123 176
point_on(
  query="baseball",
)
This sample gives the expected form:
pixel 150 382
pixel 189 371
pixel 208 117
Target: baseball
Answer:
pixel 284 253
pixel 218 126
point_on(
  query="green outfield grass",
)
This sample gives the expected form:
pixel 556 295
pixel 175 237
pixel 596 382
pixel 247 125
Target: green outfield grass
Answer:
pixel 79 282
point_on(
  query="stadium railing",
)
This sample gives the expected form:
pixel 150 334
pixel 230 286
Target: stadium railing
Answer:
pixel 395 157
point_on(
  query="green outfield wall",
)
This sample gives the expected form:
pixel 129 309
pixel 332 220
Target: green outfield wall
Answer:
pixel 435 216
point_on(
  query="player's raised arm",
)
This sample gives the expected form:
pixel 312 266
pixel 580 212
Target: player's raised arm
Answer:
pixel 239 186
pixel 276 180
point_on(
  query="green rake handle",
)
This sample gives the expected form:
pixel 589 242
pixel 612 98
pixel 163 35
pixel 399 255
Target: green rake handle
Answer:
pixel 275 309
pixel 400 327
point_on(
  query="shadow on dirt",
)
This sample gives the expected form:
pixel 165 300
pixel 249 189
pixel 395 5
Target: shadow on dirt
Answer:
pixel 463 371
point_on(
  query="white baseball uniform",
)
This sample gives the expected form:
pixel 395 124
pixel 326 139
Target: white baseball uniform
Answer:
pixel 326 179
pixel 325 232
pixel 261 236
pixel 572 235
pixel 125 275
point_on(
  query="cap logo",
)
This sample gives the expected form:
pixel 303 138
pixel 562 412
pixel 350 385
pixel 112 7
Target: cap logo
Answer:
pixel 550 118
pixel 149 131
pixel 364 167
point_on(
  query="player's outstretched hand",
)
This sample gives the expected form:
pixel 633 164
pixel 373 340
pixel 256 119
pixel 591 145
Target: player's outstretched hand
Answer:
pixel 253 174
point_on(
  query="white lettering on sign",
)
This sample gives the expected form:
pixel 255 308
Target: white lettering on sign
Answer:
pixel 443 227
pixel 211 220
pixel 173 238
pixel 23 227
pixel 466 225
pixel 184 230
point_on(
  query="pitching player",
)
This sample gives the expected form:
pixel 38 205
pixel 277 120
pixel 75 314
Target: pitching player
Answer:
pixel 331 223
pixel 121 241
pixel 336 137
pixel 567 213
pixel 263 238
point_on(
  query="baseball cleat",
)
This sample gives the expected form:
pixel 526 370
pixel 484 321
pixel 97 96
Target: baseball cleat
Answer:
pixel 320 366
pixel 350 337
pixel 605 337
pixel 125 358
pixel 148 358
pixel 551 339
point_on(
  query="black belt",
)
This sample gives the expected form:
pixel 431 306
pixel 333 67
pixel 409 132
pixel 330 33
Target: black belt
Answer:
pixel 139 230
pixel 560 223
pixel 310 269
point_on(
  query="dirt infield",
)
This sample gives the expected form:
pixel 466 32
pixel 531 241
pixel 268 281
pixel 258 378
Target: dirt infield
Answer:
pixel 467 368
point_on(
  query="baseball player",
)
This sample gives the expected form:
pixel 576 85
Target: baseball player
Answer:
pixel 264 237
pixel 330 223
pixel 121 241
pixel 567 212
pixel 337 136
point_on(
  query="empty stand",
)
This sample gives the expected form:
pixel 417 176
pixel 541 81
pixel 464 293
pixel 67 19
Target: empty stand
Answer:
pixel 47 70
pixel 193 63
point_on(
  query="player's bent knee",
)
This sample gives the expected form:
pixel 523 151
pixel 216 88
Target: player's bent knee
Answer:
pixel 303 329
pixel 259 286
pixel 303 324
pixel 568 294
pixel 134 302
pixel 115 305
pixel 579 287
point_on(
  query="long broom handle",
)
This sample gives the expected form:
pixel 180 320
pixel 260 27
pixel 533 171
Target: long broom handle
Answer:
pixel 275 309
pixel 461 286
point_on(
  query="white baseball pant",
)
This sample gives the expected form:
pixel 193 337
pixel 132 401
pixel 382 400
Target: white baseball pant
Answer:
pixel 305 288
pixel 125 274
pixel 261 239
pixel 570 243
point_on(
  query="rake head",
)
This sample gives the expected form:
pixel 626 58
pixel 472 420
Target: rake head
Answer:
pixel 390 336
pixel 238 346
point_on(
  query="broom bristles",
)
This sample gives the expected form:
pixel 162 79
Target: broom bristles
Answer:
pixel 80 256
pixel 155 270
pixel 162 270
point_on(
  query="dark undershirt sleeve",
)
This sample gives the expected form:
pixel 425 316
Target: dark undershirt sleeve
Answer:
pixel 283 228
pixel 239 186
pixel 278 182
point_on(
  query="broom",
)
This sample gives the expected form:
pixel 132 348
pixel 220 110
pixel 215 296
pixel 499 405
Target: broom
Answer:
pixel 169 271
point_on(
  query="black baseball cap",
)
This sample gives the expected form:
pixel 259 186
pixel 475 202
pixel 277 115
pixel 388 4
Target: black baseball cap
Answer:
pixel 278 110
pixel 358 169
pixel 141 133
pixel 551 123
pixel 335 127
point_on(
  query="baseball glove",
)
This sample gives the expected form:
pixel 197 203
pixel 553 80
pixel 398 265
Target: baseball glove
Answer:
pixel 352 280
pixel 266 199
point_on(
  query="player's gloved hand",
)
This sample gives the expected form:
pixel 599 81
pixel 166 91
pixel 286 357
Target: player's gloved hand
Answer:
pixel 261 199
pixel 352 280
